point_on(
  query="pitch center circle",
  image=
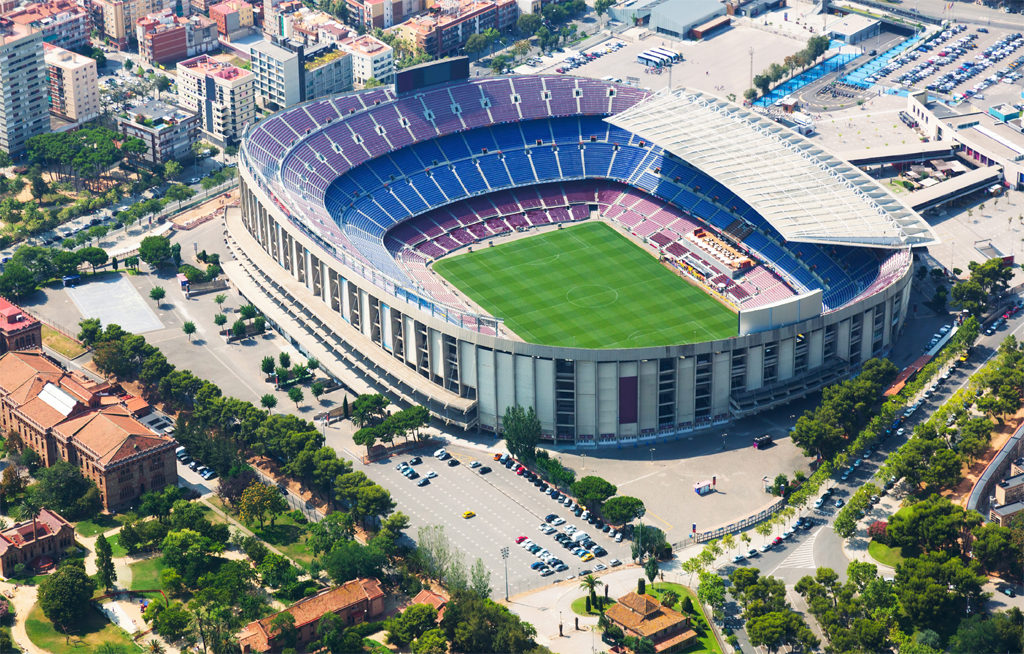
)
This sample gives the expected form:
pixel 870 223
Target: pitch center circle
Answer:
pixel 591 296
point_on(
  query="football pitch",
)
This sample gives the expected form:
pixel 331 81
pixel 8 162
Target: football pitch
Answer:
pixel 587 286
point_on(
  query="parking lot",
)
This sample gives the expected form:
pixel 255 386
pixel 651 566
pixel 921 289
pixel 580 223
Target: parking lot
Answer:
pixel 505 506
pixel 961 62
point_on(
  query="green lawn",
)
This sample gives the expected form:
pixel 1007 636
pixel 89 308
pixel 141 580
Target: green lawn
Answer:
pixel 706 642
pixel 117 550
pixel 579 606
pixel 587 286
pixel 285 534
pixel 98 525
pixel 93 632
pixel 884 554
pixel 146 574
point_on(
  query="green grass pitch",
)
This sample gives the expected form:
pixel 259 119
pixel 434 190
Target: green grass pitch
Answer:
pixel 587 286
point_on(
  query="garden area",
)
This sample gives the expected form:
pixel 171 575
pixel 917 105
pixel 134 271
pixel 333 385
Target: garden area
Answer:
pixel 91 633
pixel 287 532
pixel 100 524
pixel 64 345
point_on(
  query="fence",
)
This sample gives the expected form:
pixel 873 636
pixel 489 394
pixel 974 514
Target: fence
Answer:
pixel 740 525
pixel 793 84
pixel 995 472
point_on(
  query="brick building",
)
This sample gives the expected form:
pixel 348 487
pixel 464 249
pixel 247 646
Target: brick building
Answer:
pixel 355 601
pixel 643 616
pixel 232 16
pixel 443 32
pixel 66 416
pixel 62 22
pixel 35 544
pixel 18 330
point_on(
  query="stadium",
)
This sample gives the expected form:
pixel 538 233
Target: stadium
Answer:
pixel 633 265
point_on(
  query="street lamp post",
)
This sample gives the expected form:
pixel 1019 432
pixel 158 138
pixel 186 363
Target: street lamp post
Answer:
pixel 504 557
pixel 652 455
pixel 724 435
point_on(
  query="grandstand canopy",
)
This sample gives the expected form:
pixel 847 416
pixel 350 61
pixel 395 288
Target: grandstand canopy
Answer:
pixel 806 193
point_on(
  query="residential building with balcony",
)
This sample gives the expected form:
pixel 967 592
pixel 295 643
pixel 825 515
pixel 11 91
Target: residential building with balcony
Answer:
pixel 443 32
pixel 62 22
pixel 169 132
pixel 287 72
pixel 232 16
pixel 116 19
pixel 221 94
pixel 74 86
pixel 23 90
pixel 371 58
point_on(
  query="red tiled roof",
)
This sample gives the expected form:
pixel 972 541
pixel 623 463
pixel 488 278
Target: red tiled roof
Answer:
pixel 256 635
pixel 110 434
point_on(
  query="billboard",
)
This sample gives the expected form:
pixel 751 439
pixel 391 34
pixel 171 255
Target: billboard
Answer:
pixel 431 73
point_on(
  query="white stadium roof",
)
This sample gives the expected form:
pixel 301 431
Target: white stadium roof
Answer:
pixel 805 192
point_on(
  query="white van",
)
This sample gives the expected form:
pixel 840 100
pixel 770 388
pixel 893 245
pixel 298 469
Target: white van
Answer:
pixel 580 536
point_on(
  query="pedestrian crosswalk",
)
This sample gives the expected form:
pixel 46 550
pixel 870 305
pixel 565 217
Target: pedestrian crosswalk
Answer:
pixel 802 556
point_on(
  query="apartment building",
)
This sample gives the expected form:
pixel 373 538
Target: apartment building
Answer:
pixel 66 416
pixel 169 132
pixel 166 38
pixel 232 16
pixel 116 18
pixel 368 14
pixel 444 33
pixel 23 110
pixel 74 86
pixel 371 58
pixel 288 72
pixel 221 94
pixel 62 22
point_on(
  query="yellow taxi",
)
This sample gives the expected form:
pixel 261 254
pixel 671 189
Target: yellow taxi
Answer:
pixel 587 557
pixel 468 514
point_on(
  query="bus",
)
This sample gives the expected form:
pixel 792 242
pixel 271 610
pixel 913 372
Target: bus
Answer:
pixel 673 56
pixel 651 58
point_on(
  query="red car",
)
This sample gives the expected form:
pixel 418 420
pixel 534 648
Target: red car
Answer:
pixel 520 539
pixel 520 470
pixel 778 539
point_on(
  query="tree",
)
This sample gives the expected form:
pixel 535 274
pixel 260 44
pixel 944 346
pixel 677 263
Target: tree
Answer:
pixel 179 193
pixel 93 256
pixel 65 596
pixel 317 389
pixel 816 437
pixel 528 24
pixel 284 358
pixel 259 501
pixel 994 548
pixel 431 642
pixel 295 395
pixel 172 169
pixel 349 560
pixel 592 491
pixel 155 250
pixel 220 320
pixel 104 563
pixel 238 329
pixel 475 44
pixel 89 330
pixel 622 509
pixel 651 568
pixel 283 630
pixel 521 429
pixel 63 488
pixel 601 7
pixel 190 553
pixel 520 48
pixel 499 63
pixel 412 623
pixel 189 328
pixel 268 401
pixel 157 293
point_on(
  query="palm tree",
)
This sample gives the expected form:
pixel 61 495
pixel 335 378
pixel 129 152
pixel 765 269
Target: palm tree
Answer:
pixel 591 584
pixel 154 646
pixel 30 511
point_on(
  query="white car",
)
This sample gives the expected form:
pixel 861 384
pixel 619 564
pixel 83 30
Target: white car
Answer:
pixel 615 562
pixel 431 474
pixel 526 543
pixel 558 521
pixel 599 567
pixel 618 538
pixel 440 453
pixel 571 529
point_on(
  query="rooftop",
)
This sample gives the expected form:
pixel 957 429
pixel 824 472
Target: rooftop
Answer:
pixel 366 44
pixel 214 67
pixel 158 112
pixel 13 319
pixel 257 634
pixel 851 24
pixel 229 6
pixel 47 523
pixel 805 192
pixel 644 615
pixel 111 434
pixel 10 30
pixel 40 14
pixel 57 56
